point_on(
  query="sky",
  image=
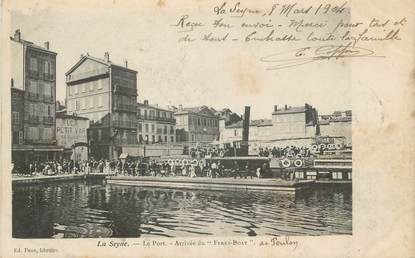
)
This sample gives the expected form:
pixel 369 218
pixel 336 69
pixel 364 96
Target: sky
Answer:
pixel 172 73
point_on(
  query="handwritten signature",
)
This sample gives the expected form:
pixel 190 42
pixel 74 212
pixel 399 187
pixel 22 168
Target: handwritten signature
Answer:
pixel 308 55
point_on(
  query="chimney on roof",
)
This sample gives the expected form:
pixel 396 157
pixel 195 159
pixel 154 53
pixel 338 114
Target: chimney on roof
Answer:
pixel 275 108
pixel 146 102
pixel 126 63
pixel 17 35
pixel 46 45
pixel 107 57
pixel 285 107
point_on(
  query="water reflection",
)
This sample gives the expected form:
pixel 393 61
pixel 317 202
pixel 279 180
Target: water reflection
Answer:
pixel 80 209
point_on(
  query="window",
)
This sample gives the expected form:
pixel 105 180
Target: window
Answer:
pixel 160 140
pixel 235 133
pixel 190 120
pixel 49 112
pixel 15 117
pixel 77 105
pixel 140 138
pixel 33 64
pixel 146 127
pixel 99 84
pixel 48 67
pixel 198 121
pixel 299 175
pixel 152 128
pixel 171 129
pixel 140 127
pixel 172 139
pixel 47 90
pixel 337 175
pixel 153 139
pixel 99 135
pixel 165 129
pixel 165 138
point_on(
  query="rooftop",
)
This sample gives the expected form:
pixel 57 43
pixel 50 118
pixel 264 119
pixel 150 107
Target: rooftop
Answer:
pixel 200 110
pixel 65 115
pixel 290 110
pixel 139 105
pixel 105 61
pixel 258 122
pixel 18 38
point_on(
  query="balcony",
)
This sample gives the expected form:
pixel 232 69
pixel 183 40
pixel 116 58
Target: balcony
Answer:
pixel 160 119
pixel 48 120
pixel 32 119
pixel 40 141
pixel 125 90
pixel 48 77
pixel 33 74
pixel 124 124
pixel 32 96
pixel 89 74
pixel 125 107
pixel 49 99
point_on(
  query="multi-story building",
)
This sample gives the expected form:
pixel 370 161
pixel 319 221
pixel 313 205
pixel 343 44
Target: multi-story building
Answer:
pixel 71 133
pixel 33 84
pixel 196 125
pixel 106 94
pixel 17 101
pixel 294 122
pixel 155 125
pixel 228 116
pixel 288 126
pixel 338 124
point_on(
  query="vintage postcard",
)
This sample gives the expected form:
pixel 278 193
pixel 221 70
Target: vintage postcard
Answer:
pixel 196 128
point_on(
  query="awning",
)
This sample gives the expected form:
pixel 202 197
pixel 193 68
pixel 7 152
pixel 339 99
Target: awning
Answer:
pixel 36 148
pixel 123 155
pixel 48 149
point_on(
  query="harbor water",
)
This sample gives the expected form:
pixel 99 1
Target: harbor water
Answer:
pixel 96 209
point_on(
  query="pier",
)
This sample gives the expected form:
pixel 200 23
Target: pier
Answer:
pixel 212 183
pixel 37 179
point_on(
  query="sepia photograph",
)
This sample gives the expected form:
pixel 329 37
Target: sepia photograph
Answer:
pixel 103 146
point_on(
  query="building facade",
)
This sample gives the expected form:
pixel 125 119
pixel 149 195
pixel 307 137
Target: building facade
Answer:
pixel 338 124
pixel 33 83
pixel 196 125
pixel 106 94
pixel 72 134
pixel 294 122
pixel 155 125
pixel 289 126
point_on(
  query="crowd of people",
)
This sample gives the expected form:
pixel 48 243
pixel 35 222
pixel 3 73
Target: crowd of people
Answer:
pixel 286 152
pixel 162 168
pixel 202 152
